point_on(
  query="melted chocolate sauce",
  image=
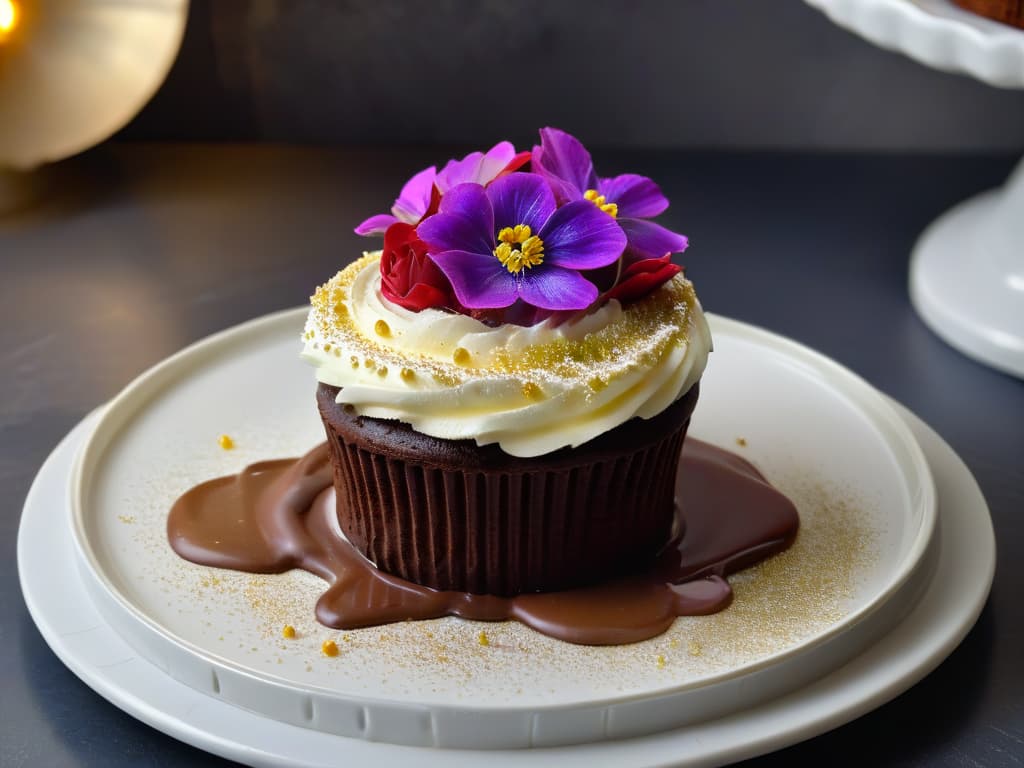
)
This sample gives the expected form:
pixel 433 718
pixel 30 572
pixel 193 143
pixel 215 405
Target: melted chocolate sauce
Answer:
pixel 279 515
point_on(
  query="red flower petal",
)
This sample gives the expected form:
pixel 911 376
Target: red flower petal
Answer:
pixel 514 164
pixel 408 277
pixel 642 277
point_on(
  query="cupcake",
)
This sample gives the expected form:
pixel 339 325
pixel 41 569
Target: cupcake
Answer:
pixel 507 384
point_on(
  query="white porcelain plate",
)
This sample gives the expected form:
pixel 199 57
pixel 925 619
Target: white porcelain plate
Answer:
pixel 76 632
pixel 822 435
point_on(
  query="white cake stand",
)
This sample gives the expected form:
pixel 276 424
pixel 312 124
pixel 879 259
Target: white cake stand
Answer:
pixel 967 269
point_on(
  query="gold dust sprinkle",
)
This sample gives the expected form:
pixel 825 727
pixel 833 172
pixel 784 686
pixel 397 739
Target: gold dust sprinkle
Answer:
pixel 225 442
pixel 597 384
pixel 741 442
pixel 461 356
pixel 694 648
pixel 381 328
pixel 288 631
pixel 483 639
pixel 814 579
pixel 127 519
pixel 329 648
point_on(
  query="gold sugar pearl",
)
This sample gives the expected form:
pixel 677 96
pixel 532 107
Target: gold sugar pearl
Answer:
pixel 329 648
pixel 483 639
pixel 288 631
pixel 382 371
pixel 370 365
pixel 225 442
pixel 531 391
pixel 355 361
pixel 445 379
pixel 327 347
pixel 461 356
pixel 407 374
pixel 660 660
pixel 381 328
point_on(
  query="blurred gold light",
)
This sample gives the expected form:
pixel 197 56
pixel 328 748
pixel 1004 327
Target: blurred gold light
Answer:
pixel 8 18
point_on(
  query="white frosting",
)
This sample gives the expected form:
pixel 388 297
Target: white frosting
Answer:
pixel 532 389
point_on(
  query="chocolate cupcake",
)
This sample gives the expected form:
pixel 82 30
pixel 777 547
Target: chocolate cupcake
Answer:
pixel 452 515
pixel 507 386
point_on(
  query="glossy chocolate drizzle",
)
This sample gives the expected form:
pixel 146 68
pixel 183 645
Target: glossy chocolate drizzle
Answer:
pixel 279 515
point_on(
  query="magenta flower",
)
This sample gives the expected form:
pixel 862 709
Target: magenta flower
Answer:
pixel 411 206
pixel 481 168
pixel 629 199
pixel 418 194
pixel 510 241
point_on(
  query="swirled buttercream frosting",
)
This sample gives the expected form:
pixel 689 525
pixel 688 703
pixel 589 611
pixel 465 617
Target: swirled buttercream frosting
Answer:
pixel 530 389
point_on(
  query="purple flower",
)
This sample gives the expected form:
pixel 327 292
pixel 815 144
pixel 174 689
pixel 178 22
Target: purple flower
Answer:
pixel 629 199
pixel 510 241
pixel 411 206
pixel 481 168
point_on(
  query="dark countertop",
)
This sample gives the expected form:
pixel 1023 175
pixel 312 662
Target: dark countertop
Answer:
pixel 134 251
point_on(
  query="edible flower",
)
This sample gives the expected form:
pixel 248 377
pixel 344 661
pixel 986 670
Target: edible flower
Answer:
pixel 412 204
pixel 629 199
pixel 408 277
pixel 641 277
pixel 421 193
pixel 510 241
pixel 480 167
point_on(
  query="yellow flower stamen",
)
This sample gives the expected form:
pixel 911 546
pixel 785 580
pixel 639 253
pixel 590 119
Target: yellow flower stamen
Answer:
pixel 612 209
pixel 519 248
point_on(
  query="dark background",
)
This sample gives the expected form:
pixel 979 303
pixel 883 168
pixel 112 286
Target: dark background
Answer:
pixel 829 158
pixel 635 73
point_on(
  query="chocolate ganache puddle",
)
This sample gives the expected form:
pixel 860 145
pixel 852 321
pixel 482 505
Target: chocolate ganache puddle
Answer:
pixel 279 515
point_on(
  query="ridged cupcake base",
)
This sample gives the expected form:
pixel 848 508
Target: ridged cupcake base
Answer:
pixel 451 515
